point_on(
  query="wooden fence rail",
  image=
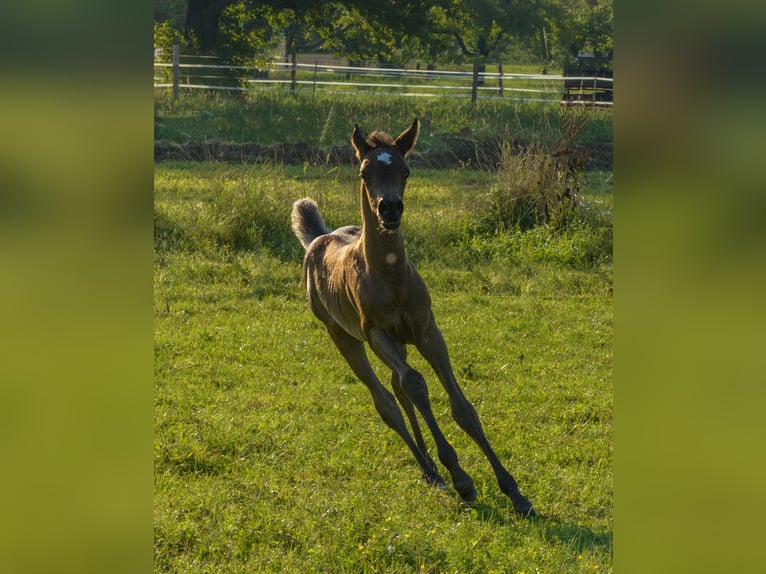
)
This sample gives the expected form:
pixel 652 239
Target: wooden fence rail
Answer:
pixel 201 73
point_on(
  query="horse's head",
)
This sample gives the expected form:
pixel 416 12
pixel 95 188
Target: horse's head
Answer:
pixel 384 171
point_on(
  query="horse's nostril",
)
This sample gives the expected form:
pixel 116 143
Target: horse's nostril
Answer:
pixel 390 208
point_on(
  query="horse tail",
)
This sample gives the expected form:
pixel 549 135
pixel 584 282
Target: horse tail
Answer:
pixel 307 222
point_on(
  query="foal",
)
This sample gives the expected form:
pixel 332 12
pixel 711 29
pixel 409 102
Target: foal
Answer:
pixel 361 285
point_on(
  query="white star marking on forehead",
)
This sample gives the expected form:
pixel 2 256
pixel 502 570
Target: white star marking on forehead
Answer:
pixel 385 157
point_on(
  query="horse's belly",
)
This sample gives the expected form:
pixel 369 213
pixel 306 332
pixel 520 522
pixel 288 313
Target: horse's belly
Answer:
pixel 403 329
pixel 332 306
pixel 346 315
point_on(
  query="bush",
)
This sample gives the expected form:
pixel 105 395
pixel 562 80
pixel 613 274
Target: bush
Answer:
pixel 165 35
pixel 536 186
pixel 535 207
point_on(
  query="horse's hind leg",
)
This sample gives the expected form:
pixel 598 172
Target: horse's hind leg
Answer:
pixel 385 403
pixel 409 410
pixel 433 348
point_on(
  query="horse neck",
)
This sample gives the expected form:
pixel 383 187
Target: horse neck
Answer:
pixel 382 249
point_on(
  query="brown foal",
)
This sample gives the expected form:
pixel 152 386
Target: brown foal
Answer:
pixel 361 285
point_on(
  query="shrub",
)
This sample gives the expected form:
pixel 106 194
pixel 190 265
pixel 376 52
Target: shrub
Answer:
pixel 536 186
pixel 165 35
pixel 535 207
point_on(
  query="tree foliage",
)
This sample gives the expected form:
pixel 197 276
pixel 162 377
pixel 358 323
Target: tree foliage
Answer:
pixel 438 31
pixel 481 28
pixel 582 26
pixel 249 32
pixel 165 35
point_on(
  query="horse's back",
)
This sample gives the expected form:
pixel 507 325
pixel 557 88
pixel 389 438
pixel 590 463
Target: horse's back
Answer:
pixel 339 237
pixel 325 247
pixel 347 233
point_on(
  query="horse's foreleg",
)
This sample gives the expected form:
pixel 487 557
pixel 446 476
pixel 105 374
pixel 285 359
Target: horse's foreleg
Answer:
pixel 414 386
pixel 385 403
pixel 434 350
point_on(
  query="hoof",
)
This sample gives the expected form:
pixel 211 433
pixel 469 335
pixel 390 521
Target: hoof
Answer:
pixel 468 494
pixel 529 513
pixel 523 506
pixel 436 481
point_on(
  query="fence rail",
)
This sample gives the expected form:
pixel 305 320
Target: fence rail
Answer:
pixel 198 74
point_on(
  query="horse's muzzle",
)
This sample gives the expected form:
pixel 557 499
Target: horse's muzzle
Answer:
pixel 390 213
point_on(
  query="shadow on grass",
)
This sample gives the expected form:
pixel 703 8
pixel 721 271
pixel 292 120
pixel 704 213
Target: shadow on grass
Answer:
pixel 578 537
pixel 498 509
pixel 490 514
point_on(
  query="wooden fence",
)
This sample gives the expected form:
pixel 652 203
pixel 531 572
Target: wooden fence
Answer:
pixel 207 73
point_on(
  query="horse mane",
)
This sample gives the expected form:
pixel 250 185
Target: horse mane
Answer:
pixel 378 139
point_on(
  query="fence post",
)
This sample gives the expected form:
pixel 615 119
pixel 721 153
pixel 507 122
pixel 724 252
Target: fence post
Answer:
pixel 293 73
pixel 474 83
pixel 314 85
pixel 176 66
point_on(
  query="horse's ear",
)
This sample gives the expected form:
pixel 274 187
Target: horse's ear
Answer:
pixel 406 140
pixel 359 141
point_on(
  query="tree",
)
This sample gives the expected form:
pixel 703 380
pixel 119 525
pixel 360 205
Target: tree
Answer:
pixel 351 28
pixel 386 31
pixel 303 24
pixel 482 28
pixel 248 33
pixel 582 26
pixel 479 31
pixel 249 29
pixel 173 11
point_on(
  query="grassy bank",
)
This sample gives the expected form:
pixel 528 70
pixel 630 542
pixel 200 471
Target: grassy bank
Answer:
pixel 269 455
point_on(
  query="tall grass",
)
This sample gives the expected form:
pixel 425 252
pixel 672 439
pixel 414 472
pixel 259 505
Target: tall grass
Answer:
pixel 327 120
pixel 538 194
pixel 535 185
pixel 203 206
pixel 238 208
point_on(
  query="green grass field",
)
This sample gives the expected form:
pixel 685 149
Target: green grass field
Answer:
pixel 269 455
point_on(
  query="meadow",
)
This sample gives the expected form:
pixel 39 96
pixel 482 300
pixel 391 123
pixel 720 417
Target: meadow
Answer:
pixel 269 455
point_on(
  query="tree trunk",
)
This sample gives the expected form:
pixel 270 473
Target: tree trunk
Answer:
pixel 482 69
pixel 479 66
pixel 500 79
pixel 202 18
